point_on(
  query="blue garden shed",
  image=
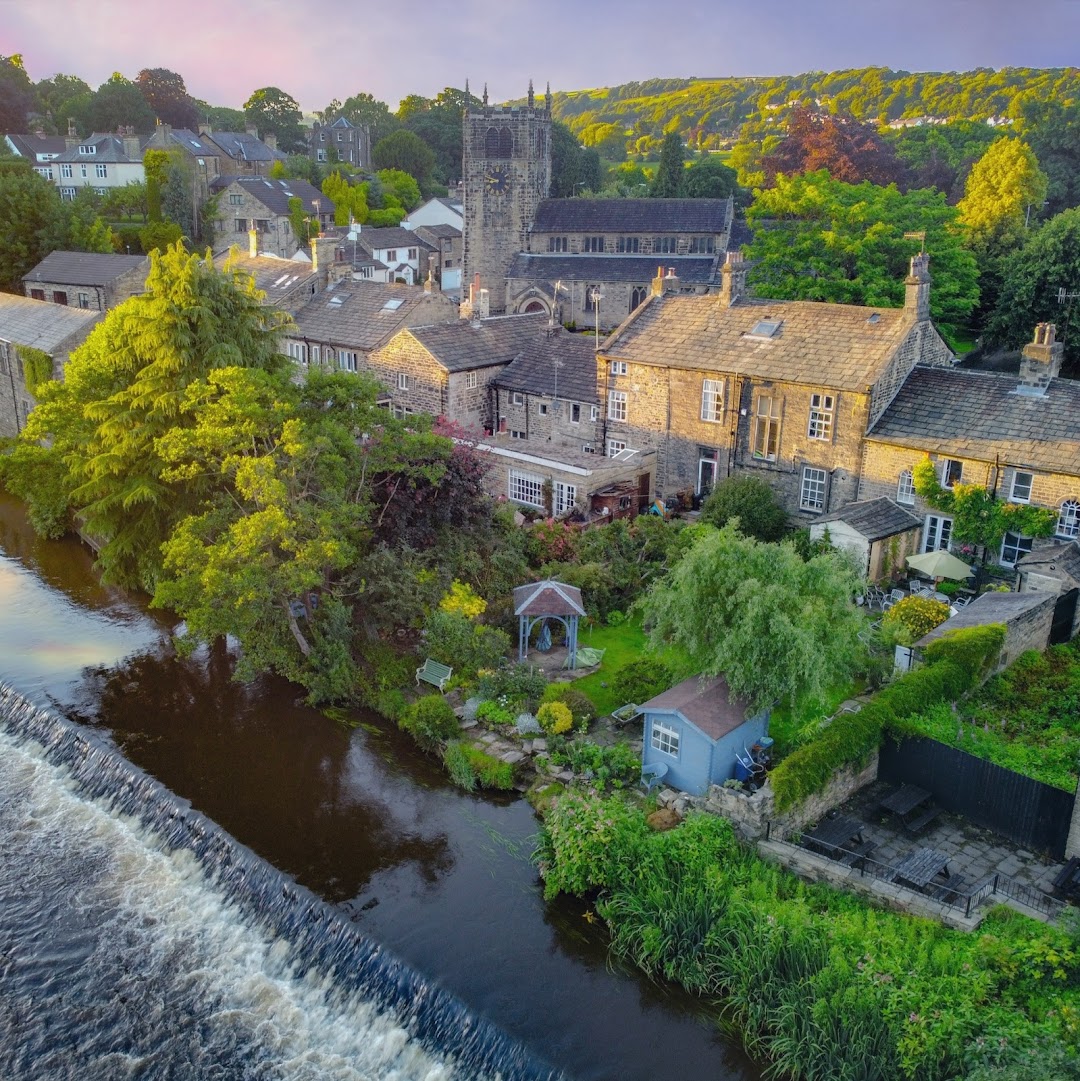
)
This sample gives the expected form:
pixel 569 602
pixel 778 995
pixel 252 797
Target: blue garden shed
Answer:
pixel 696 728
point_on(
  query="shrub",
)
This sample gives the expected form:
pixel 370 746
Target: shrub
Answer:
pixel 581 706
pixel 616 765
pixel 551 542
pixel 615 618
pixel 753 502
pixel 555 718
pixel 917 616
pixel 491 772
pixel 641 680
pixel 429 721
pixel 975 649
pixel 527 725
pixel 519 682
pixel 456 760
pixel 950 589
pixel 495 712
pixel 465 646
pixel 391 704
pixel 463 600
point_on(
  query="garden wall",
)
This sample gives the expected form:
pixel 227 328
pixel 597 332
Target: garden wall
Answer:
pixel 751 815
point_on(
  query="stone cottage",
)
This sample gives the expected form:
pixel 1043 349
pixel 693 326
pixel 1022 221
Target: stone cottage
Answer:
pixel 87 279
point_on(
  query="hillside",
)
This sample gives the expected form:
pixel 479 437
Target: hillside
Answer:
pixel 709 112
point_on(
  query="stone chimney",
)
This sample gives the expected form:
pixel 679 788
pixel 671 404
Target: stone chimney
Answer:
pixel 917 288
pixel 271 140
pixel 484 304
pixel 429 281
pixel 323 252
pixel 1040 361
pixel 469 307
pixel 131 145
pixel 71 140
pixel 251 129
pixel 732 278
pixel 656 286
pixel 253 242
pixel 205 128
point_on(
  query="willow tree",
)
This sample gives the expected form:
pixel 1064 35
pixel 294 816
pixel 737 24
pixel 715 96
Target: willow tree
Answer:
pixel 89 451
pixel 776 627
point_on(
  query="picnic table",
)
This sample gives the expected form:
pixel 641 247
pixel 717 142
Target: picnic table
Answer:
pixel 909 804
pixel 836 832
pixel 921 867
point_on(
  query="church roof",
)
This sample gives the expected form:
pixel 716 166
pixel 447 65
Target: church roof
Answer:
pixel 632 216
pixel 534 371
pixel 691 269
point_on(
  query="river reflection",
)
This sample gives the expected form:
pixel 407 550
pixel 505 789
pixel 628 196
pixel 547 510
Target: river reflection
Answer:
pixel 441 878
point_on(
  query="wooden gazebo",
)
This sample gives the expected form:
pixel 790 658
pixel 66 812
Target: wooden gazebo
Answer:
pixel 548 600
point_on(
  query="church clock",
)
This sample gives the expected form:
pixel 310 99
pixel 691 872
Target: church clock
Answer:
pixel 497 179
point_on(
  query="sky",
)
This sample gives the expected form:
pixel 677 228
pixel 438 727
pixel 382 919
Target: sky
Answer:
pixel 225 49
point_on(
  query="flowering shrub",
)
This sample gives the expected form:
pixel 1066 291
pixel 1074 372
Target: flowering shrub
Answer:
pixel 555 717
pixel 552 542
pixel 914 617
pixel 495 712
pixel 461 599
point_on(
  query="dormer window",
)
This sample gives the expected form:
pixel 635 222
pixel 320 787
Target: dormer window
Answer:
pixel 87 148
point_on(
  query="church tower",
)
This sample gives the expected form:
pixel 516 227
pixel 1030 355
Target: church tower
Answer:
pixel 507 171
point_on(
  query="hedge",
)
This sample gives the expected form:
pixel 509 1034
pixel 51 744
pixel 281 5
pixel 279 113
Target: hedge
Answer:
pixel 954 665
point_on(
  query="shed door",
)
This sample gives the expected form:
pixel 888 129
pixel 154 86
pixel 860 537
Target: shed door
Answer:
pixel 1064 614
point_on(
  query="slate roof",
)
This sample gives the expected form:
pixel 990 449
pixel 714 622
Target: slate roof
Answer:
pixel 275 194
pixel 84 268
pixel 707 703
pixel 361 318
pixel 990 608
pixel 979 415
pixel 1063 559
pixel 109 149
pixel 875 519
pixel 393 236
pixel 277 278
pixel 193 142
pixel 442 231
pixel 817 344
pixel 463 345
pixel 633 216
pixel 242 146
pixel 534 370
pixel 42 325
pixel 610 267
pixel 29 146
pixel 548 598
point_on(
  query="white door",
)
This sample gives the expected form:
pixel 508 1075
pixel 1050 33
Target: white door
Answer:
pixel 936 533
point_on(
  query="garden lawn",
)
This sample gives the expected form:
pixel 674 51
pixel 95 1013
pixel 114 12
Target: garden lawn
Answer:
pixel 623 644
pixel 1026 719
pixel 792 726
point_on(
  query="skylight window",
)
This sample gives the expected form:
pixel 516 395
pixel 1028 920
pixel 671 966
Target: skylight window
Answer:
pixel 766 328
pixel 393 304
pixel 336 302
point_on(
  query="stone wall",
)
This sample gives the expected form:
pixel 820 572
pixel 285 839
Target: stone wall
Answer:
pixel 923 345
pixel 99 298
pixel 1028 631
pixel 547 432
pixel 428 383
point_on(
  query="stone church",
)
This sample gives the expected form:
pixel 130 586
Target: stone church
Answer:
pixel 587 261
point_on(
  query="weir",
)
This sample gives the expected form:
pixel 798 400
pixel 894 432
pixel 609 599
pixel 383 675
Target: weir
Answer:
pixel 320 941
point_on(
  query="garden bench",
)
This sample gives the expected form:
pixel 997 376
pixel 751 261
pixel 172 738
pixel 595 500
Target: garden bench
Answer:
pixel 1067 882
pixel 434 673
pixel 922 820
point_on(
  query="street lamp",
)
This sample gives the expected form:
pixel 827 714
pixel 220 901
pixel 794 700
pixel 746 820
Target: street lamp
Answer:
pixel 596 296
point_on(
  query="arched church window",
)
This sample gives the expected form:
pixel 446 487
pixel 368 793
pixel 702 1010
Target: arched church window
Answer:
pixel 506 143
pixel 491 143
pixel 637 296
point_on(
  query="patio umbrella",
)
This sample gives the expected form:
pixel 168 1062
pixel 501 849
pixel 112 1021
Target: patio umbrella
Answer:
pixel 940 564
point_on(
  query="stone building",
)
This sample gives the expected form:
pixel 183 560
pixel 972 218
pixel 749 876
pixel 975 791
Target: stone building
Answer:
pixel 286 284
pixel 50 328
pixel 507 172
pixel 1019 436
pixel 345 324
pixel 445 243
pixel 87 279
pixel 1055 568
pixel 341 141
pixel 446 369
pixel 786 390
pixel 100 161
pixel 262 204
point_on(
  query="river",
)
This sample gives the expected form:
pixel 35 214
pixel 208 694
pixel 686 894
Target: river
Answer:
pixel 123 954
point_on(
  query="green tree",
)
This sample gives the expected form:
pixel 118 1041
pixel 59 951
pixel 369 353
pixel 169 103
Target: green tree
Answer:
pixel 89 446
pixel 33 221
pixel 776 627
pixel 363 109
pixel 221 118
pixel 350 200
pixel 119 103
pixel 979 517
pixel 574 168
pixel 1032 277
pixel 1004 183
pixel 16 93
pixel 156 168
pixel 271 110
pixel 61 97
pixel 406 151
pixel 710 178
pixel 670 178
pixel 167 97
pixel 753 502
pixel 1052 130
pixel 128 201
pixel 816 238
pixel 86 230
pixel 402 185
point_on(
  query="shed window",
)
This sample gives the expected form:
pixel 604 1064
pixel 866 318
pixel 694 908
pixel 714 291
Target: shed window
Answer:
pixel 665 739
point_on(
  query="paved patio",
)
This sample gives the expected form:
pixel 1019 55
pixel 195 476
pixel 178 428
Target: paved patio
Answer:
pixel 974 852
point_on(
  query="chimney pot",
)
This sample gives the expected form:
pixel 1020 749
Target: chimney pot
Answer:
pixel 1040 361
